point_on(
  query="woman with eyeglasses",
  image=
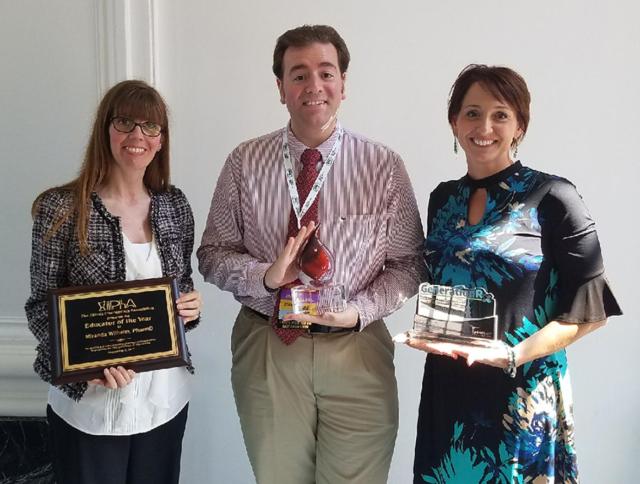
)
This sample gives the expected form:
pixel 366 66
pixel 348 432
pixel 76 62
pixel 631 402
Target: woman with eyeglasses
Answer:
pixel 120 219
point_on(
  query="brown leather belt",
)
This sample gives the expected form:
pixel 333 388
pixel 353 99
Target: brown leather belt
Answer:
pixel 313 329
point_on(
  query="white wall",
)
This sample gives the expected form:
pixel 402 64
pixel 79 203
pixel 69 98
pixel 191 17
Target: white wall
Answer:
pixel 57 60
pixel 48 93
pixel 580 59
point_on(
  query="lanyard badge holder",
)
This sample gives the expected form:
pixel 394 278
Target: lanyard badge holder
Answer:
pixel 318 294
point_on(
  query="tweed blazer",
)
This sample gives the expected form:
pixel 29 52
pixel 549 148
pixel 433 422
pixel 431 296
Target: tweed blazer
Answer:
pixel 56 260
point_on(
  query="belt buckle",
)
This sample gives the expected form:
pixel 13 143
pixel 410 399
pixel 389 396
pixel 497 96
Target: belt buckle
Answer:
pixel 323 329
pixel 318 329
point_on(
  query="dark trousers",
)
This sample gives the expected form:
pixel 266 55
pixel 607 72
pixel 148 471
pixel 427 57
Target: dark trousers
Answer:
pixel 149 457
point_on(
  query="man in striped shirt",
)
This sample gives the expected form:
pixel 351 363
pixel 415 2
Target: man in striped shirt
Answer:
pixel 321 406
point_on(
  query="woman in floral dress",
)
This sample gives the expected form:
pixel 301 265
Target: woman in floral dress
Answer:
pixel 505 414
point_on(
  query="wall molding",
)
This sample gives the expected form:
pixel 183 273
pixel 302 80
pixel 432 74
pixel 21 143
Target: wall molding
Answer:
pixel 22 392
pixel 126 41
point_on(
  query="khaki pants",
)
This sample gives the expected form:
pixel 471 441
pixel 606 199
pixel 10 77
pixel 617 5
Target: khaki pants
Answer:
pixel 322 410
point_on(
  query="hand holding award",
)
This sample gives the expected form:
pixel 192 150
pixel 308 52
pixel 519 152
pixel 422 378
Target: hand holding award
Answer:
pixel 452 320
pixel 318 296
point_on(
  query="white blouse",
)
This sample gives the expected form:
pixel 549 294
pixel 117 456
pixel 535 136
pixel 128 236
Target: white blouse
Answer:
pixel 150 400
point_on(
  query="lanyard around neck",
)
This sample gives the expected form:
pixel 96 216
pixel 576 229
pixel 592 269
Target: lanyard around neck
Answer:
pixel 291 180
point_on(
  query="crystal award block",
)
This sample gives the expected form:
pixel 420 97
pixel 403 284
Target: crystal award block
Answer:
pixel 456 314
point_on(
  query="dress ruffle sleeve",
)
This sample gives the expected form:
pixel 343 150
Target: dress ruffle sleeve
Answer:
pixel 589 302
pixel 572 241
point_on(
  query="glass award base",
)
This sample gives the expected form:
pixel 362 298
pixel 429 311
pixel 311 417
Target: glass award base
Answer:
pixel 474 333
pixel 317 300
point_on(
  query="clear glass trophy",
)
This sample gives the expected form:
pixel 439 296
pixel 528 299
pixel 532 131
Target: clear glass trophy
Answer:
pixel 456 314
pixel 318 295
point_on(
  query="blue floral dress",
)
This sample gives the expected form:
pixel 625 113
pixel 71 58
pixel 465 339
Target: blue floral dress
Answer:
pixel 537 251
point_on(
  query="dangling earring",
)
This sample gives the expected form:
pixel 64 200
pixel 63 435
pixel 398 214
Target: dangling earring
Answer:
pixel 515 144
pixel 455 145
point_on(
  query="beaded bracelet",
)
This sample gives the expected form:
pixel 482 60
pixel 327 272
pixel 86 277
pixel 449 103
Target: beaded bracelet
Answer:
pixel 510 369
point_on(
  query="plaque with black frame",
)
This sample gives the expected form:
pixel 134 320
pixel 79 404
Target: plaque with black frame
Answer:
pixel 456 314
pixel 134 324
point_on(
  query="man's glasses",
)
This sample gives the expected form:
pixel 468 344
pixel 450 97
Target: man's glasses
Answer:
pixel 126 125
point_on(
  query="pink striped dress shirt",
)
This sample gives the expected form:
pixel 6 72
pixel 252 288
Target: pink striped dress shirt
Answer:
pixel 367 213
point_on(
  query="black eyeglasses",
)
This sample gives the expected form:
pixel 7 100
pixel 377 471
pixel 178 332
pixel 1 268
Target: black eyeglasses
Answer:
pixel 126 125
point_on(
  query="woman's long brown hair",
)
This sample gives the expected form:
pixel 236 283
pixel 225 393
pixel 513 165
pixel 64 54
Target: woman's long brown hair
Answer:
pixel 136 100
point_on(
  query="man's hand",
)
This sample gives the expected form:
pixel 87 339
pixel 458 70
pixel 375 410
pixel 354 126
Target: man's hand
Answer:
pixel 345 319
pixel 286 269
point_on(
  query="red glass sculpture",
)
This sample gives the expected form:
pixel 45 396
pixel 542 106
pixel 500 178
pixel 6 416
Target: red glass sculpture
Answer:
pixel 316 260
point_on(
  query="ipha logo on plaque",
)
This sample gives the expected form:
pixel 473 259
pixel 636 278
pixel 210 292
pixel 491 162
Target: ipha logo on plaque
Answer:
pixel 456 313
pixel 114 304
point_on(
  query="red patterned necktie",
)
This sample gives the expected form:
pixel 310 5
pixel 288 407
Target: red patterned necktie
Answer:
pixel 304 183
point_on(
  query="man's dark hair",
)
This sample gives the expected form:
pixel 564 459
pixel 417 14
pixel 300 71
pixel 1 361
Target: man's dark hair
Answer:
pixel 305 35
